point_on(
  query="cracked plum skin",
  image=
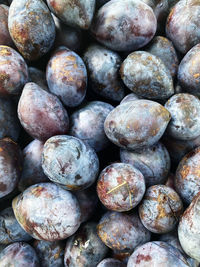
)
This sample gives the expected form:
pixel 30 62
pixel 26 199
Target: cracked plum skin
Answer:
pixel 120 187
pixel 160 209
pixel 10 230
pixel 10 166
pixel 59 208
pixel 87 124
pixel 147 75
pixel 182 26
pixel 13 72
pixel 153 162
pixel 70 162
pixel 50 254
pixel 5 38
pixel 41 114
pixel 85 248
pixel 136 124
pixel 31 27
pixel 19 254
pixel 122 232
pixel 124 25
pixel 157 253
pixel 103 67
pixel 187 179
pixel 66 76
pixel 109 262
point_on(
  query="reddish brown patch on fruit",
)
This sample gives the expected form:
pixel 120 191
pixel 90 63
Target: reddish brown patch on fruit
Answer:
pixel 37 191
pixel 142 257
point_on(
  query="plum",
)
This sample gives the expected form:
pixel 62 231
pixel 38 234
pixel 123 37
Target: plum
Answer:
pixel 5 38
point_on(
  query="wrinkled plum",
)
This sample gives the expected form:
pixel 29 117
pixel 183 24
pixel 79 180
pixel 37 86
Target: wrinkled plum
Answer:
pixel 31 27
pixel 185 116
pixel 10 166
pixel 32 172
pixel 103 66
pixel 70 162
pixel 122 232
pixel 120 187
pixel 136 124
pixel 37 76
pixel 41 114
pixel 87 124
pixel 67 77
pixel 124 25
pixel 109 262
pixel 5 38
pixel 85 248
pixel 160 209
pixel 147 76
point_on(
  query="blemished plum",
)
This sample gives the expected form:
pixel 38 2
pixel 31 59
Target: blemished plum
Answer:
pixel 5 38
pixel 19 254
pixel 120 187
pixel 187 180
pixel 37 76
pixel 85 248
pixel 109 262
pixel 185 116
pixel 77 13
pixel 160 209
pixel 52 214
pixel 147 76
pixel 66 76
pixel 124 25
pixel 50 254
pixel 41 114
pixel 69 162
pixel 122 232
pixel 31 27
pixel 10 230
pixel 32 172
pixel 164 49
pixel 157 253
pixel 13 72
pixel 87 124
pixel 103 67
pixel 136 124
pixel 10 166
pixel 183 24
pixel 153 162
pixel 130 97
pixel 189 71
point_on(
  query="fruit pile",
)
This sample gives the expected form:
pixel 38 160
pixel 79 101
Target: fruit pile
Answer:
pixel 99 133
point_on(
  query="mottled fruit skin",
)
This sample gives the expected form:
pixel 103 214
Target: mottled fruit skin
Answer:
pixel 84 249
pixel 13 72
pixel 153 162
pixel 189 71
pixel 19 254
pixel 10 166
pixel 41 114
pixel 32 172
pixel 10 230
pixel 5 38
pixel 31 27
pixel 130 97
pixel 157 253
pixel 122 232
pixel 147 76
pixel 70 162
pixel 120 187
pixel 188 229
pixel 124 25
pixel 164 49
pixel 187 180
pixel 37 76
pixel 160 209
pixel 103 67
pixel 87 124
pixel 50 254
pixel 77 13
pixel 183 24
pixel 185 113
pixel 60 212
pixel 136 124
pixel 109 262
pixel 66 76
